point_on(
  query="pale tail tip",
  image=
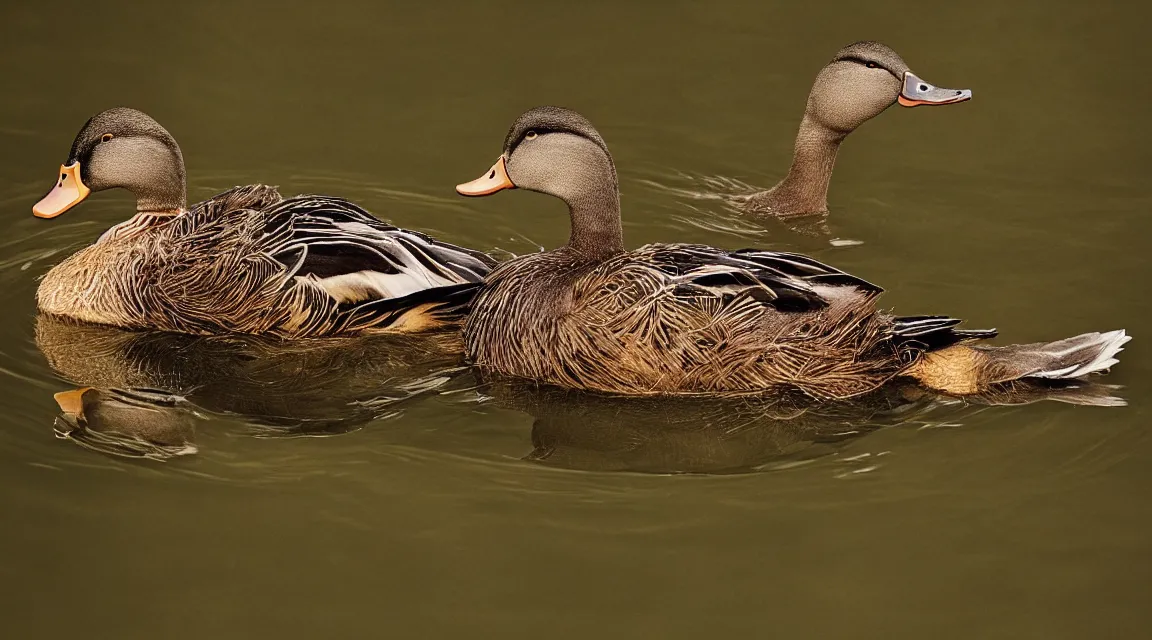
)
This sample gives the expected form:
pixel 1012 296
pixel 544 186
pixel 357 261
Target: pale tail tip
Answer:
pixel 1113 343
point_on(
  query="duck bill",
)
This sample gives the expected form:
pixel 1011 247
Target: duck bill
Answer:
pixel 68 192
pixel 496 179
pixel 72 402
pixel 916 92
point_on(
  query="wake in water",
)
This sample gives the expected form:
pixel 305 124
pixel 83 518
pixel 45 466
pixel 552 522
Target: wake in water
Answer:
pixel 716 204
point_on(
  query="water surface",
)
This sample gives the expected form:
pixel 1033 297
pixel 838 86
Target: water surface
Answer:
pixel 435 508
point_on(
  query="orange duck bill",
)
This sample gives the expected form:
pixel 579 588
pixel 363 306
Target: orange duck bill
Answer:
pixel 916 92
pixel 72 402
pixel 495 180
pixel 68 192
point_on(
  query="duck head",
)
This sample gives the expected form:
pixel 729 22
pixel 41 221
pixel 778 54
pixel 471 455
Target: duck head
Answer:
pixel 557 151
pixel 864 79
pixel 551 150
pixel 123 148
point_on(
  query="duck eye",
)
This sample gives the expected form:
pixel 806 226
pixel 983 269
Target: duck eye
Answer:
pixel 106 137
pixel 871 65
pixel 531 135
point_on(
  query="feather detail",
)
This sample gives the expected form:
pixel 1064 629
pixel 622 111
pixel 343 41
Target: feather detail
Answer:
pixel 250 261
pixel 674 319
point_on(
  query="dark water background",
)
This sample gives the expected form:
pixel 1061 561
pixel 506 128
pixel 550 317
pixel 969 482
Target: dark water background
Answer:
pixel 446 511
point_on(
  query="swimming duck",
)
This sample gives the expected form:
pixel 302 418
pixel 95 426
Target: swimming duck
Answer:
pixel 675 319
pixel 246 260
pixel 860 82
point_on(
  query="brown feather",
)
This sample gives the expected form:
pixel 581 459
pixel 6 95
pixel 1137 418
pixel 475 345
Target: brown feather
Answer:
pixel 621 326
pixel 214 269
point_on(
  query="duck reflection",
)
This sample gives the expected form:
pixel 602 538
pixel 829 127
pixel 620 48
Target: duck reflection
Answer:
pixel 576 430
pixel 133 424
pixel 142 392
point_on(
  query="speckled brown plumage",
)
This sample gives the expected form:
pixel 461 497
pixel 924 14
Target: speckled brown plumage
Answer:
pixel 632 324
pixel 678 319
pixel 240 262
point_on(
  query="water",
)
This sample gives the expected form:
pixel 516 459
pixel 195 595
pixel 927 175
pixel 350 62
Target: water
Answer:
pixel 440 509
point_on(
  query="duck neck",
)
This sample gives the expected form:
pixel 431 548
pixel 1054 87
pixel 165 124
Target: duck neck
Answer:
pixel 597 232
pixel 595 212
pixel 805 188
pixel 162 187
pixel 167 198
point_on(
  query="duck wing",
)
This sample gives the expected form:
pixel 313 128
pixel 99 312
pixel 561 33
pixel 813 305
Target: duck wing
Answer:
pixel 356 257
pixel 786 281
pixel 249 260
pixel 929 333
pixel 806 269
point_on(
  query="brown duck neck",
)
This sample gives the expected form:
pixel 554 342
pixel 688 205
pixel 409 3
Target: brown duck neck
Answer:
pixel 805 188
pixel 163 202
pixel 597 232
pixel 166 193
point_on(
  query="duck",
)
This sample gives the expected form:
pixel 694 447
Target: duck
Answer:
pixel 244 261
pixel 684 319
pixel 859 83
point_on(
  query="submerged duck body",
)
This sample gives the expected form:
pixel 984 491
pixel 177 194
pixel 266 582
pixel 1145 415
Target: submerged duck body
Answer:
pixel 679 319
pixel 246 260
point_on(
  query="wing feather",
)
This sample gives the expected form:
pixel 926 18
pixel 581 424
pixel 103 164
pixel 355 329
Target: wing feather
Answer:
pixel 788 282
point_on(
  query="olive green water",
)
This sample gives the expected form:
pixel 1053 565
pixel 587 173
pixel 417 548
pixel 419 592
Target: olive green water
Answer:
pixel 435 508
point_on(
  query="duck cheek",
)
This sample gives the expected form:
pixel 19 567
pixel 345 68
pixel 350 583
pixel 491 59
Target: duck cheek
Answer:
pixel 848 115
pixel 843 107
pixel 135 164
pixel 530 170
pixel 118 164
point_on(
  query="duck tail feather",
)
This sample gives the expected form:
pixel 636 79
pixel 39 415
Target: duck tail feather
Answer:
pixel 1065 359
